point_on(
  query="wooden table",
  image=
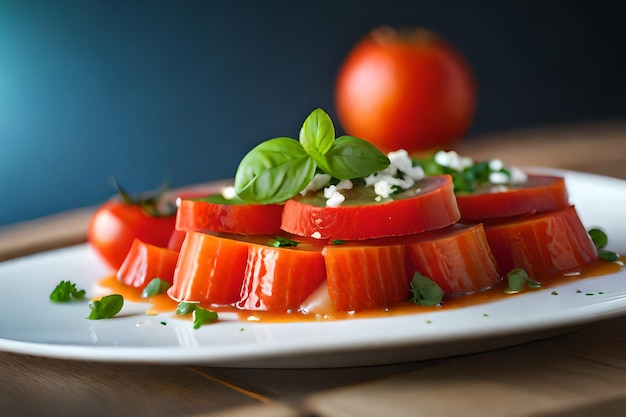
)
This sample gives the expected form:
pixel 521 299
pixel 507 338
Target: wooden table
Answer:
pixel 576 374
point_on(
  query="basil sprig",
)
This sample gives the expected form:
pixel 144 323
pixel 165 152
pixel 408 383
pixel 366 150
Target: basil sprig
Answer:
pixel 600 240
pixel 279 168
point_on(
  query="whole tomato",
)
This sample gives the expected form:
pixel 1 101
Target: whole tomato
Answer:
pixel 116 223
pixel 405 90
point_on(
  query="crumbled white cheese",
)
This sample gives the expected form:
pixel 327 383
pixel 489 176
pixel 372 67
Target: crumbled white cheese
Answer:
pixel 498 178
pixel 333 197
pixel 402 162
pixel 316 235
pixel 318 182
pixel 496 164
pixel 383 189
pixel 228 192
pixel 384 181
pixel 453 160
pixel 517 175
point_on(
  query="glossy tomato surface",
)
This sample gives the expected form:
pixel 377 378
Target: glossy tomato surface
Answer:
pixel 539 194
pixel 115 225
pixel 405 90
pixel 429 205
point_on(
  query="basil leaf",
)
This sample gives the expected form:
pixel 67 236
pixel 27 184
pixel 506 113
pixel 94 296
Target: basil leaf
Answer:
pixel 202 316
pixel 274 171
pixel 185 307
pixel 219 199
pixel 317 134
pixel 65 291
pixel 351 157
pixel 599 238
pixel 154 287
pixel 106 307
pixel 425 291
pixel 607 255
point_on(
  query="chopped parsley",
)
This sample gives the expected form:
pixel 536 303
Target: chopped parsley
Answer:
pixel 66 291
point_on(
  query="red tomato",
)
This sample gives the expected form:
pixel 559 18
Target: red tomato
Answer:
pixel 539 194
pixel 115 225
pixel 362 277
pixel 210 269
pixel 457 258
pixel 543 244
pixel 405 90
pixel 145 262
pixel 211 215
pixel 430 205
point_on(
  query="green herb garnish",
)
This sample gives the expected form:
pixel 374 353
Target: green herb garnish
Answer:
pixel 278 169
pixel 281 242
pixel 203 316
pixel 185 307
pixel 154 287
pixel 66 291
pixel 600 240
pixel 148 203
pixel 518 278
pixel 107 307
pixel 425 291
pixel 465 178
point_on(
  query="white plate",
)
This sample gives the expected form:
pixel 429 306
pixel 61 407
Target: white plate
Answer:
pixel 31 324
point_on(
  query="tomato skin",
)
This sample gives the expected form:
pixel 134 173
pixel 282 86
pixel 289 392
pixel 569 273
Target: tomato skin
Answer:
pixel 541 193
pixel 362 277
pixel 544 245
pixel 457 258
pixel 115 225
pixel 245 219
pixel 209 270
pixel 410 91
pixel 435 207
pixel 145 262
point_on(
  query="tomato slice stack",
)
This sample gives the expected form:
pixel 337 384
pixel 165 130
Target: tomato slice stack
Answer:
pixel 531 226
pixel 362 255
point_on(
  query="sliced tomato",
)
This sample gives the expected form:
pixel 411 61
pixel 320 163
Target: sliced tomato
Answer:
pixel 541 193
pixel 457 258
pixel 431 204
pixel 176 240
pixel 210 269
pixel 216 214
pixel 145 262
pixel 281 278
pixel 544 245
pixel 363 276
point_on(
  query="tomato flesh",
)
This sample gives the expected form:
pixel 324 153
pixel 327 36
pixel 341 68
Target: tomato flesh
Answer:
pixel 457 258
pixel 145 262
pixel 209 269
pixel 539 194
pixel 432 206
pixel 245 219
pixel 362 277
pixel 543 244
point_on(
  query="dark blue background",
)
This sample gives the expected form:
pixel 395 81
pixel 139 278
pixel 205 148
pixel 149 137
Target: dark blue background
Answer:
pixel 148 91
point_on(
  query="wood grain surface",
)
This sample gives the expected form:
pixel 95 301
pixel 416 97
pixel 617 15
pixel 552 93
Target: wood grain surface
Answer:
pixel 577 374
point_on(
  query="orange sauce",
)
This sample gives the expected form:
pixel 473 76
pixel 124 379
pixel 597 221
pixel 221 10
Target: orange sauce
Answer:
pixel 162 303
